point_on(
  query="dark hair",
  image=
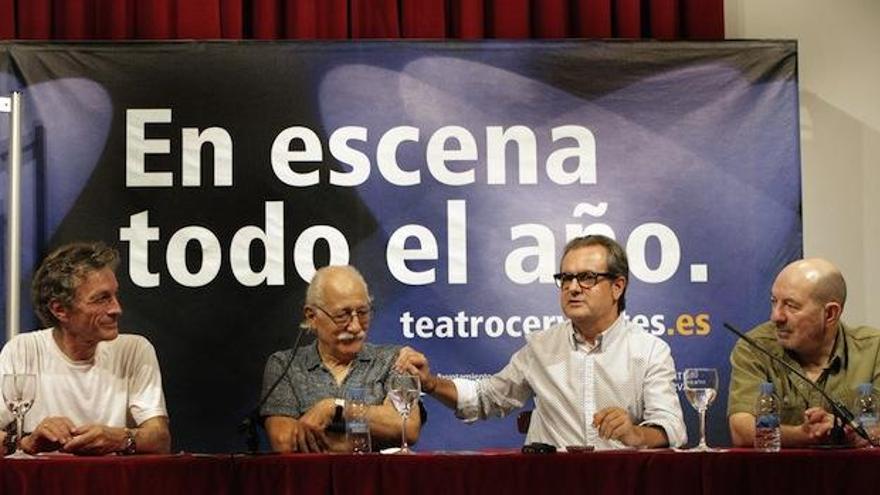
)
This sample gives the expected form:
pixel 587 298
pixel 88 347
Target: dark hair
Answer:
pixel 618 265
pixel 63 271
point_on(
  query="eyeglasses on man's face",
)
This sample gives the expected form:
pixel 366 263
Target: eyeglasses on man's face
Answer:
pixel 586 279
pixel 343 318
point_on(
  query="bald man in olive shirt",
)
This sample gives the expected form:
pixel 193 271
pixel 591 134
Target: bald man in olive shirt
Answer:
pixel 805 330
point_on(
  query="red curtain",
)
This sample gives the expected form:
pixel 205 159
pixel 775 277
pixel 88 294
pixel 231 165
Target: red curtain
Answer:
pixel 340 19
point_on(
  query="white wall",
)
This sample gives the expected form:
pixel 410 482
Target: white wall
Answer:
pixel 839 71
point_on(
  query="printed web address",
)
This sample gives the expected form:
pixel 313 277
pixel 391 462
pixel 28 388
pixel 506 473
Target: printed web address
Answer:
pixel 463 326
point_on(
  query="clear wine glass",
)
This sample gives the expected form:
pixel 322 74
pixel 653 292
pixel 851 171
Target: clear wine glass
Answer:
pixel 701 388
pixel 404 391
pixel 19 391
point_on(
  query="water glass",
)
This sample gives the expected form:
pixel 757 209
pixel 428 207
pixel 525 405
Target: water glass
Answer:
pixel 404 391
pixel 700 389
pixel 19 391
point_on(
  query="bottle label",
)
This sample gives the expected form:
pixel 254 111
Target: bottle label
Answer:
pixel 359 436
pixel 868 420
pixel 358 426
pixel 767 421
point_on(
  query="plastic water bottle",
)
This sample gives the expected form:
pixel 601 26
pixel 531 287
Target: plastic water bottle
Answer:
pixel 358 433
pixel 768 437
pixel 866 409
pixel 357 425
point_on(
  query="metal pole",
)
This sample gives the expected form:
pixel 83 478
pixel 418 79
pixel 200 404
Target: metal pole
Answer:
pixel 13 223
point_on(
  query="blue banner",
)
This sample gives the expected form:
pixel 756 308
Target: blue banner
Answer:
pixel 450 174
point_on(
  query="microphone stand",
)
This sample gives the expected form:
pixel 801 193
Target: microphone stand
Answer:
pixel 248 425
pixel 842 415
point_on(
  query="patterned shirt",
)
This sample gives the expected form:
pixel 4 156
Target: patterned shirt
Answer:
pixel 308 381
pixel 626 368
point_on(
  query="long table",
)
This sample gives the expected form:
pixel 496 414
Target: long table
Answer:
pixel 149 474
pixel 800 472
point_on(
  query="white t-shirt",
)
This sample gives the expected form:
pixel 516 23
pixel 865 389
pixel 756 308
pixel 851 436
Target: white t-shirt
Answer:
pixel 120 387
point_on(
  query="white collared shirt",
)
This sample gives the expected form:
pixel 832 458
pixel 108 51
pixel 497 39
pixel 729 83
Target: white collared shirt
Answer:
pixel 626 367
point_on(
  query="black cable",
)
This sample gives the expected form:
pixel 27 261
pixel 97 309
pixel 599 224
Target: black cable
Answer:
pixel 842 415
pixel 248 425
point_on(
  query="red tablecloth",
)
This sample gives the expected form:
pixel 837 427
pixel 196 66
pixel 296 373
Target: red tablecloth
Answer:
pixel 800 472
pixel 797 472
pixel 149 474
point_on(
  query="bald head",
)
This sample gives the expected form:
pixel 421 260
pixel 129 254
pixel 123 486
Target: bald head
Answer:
pixel 344 278
pixel 819 276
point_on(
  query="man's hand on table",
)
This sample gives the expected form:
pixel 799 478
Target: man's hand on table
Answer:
pixel 50 435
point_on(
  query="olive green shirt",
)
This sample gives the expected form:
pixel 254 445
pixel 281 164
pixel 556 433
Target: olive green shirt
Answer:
pixel 855 360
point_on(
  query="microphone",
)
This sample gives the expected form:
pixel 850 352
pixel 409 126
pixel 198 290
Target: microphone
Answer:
pixel 842 415
pixel 248 425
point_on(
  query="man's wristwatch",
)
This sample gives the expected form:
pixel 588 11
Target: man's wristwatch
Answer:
pixel 337 422
pixel 130 445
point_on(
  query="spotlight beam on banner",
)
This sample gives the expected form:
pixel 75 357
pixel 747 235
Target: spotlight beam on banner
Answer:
pixel 12 105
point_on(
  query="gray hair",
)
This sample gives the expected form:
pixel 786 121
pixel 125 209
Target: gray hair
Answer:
pixel 315 291
pixel 62 272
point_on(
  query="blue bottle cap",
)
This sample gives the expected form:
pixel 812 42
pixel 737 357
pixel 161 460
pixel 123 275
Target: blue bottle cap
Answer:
pixel 766 388
pixel 866 389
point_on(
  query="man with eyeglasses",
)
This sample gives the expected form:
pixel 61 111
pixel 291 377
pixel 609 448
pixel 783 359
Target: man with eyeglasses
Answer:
pixel 597 379
pixel 307 403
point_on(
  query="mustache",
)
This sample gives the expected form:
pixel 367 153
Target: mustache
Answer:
pixel 348 336
pixel 783 329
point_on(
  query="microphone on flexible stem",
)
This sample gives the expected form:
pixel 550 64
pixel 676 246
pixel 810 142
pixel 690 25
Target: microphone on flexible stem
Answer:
pixel 248 425
pixel 842 415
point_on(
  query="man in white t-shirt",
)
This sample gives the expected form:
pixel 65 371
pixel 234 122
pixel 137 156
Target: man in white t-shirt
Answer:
pixel 98 392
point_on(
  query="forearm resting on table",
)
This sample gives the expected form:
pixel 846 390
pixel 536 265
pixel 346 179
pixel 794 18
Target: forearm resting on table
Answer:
pixel 279 430
pixel 652 437
pixel 386 422
pixel 153 436
pixel 742 432
pixel 385 426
